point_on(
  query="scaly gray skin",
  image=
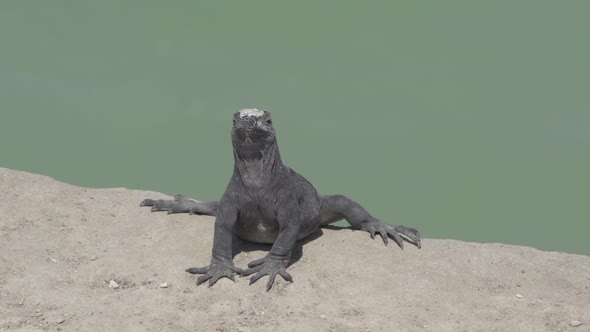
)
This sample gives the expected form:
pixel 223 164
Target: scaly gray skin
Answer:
pixel 267 202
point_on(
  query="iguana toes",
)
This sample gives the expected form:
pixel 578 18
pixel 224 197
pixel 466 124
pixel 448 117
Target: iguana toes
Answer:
pixel 267 202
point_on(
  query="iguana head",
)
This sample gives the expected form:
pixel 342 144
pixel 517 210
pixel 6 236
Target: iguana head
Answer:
pixel 252 129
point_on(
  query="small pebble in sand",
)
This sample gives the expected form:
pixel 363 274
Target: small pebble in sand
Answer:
pixel 323 316
pixel 575 323
pixel 519 296
pixel 113 284
pixel 93 258
pixel 164 285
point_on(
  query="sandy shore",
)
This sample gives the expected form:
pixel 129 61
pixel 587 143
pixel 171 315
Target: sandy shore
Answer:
pixel 61 245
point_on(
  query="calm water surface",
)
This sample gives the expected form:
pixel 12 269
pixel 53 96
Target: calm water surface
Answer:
pixel 468 120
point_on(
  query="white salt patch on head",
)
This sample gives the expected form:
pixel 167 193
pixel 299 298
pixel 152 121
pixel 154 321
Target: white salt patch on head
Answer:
pixel 251 112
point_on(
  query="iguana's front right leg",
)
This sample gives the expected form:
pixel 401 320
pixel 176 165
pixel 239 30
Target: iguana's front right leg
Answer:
pixel 181 204
pixel 222 265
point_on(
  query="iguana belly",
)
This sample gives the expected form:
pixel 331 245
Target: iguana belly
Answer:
pixel 257 222
pixel 257 230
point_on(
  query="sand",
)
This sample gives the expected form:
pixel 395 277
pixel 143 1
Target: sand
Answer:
pixel 62 249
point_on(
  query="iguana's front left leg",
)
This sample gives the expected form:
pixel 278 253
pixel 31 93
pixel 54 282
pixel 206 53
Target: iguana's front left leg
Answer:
pixel 278 258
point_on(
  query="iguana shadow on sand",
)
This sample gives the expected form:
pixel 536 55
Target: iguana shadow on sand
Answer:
pixel 267 202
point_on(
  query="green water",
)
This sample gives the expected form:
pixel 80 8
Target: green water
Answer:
pixel 466 119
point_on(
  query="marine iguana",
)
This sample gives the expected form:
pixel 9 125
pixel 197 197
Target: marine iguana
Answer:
pixel 267 202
